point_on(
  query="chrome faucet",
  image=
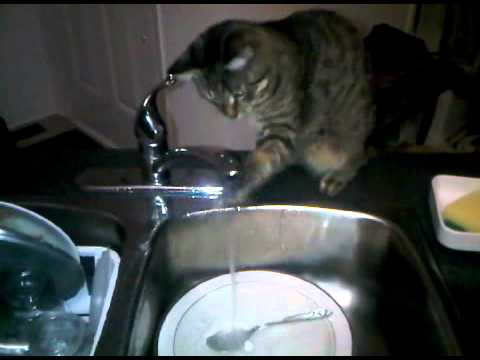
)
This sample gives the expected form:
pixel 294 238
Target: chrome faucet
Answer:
pixel 153 181
pixel 151 133
pixel 158 160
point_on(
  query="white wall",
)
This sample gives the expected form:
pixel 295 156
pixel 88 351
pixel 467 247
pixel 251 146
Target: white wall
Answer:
pixel 26 89
pixel 53 23
pixel 105 59
pixel 197 122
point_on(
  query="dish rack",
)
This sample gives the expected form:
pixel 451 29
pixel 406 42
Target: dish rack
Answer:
pixel 92 302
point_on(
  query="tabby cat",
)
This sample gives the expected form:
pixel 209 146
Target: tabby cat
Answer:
pixel 304 82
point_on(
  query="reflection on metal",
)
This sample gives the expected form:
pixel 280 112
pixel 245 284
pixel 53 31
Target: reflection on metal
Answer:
pixel 10 349
pixel 193 192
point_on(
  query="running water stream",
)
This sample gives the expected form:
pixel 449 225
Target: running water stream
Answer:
pixel 232 268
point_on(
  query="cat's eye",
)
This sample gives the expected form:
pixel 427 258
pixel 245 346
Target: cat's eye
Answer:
pixel 209 94
pixel 262 86
pixel 239 94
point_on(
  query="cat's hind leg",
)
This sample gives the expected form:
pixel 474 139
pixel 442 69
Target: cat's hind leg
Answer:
pixel 335 181
pixel 336 165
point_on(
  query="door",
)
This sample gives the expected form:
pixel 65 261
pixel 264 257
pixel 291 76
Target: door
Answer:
pixel 116 61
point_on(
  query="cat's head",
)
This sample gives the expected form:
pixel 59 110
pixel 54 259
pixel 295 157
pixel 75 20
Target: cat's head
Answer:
pixel 228 68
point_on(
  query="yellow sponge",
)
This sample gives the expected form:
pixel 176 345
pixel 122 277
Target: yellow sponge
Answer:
pixel 464 213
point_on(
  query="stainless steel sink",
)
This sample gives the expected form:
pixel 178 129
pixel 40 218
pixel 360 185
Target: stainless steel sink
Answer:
pixel 365 263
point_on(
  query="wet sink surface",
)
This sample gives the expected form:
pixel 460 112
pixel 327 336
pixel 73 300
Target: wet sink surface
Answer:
pixel 366 264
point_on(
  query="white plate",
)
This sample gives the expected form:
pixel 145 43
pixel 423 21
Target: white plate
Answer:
pixel 262 296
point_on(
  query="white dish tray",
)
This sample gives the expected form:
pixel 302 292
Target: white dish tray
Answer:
pixel 445 190
pixel 93 305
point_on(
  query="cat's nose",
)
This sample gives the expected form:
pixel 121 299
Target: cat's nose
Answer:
pixel 230 107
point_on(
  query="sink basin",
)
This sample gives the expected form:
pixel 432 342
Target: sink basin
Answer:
pixel 120 222
pixel 366 264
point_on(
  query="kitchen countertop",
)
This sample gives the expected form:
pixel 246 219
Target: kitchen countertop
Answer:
pixel 393 186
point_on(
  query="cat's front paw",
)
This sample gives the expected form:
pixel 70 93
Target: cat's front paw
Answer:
pixel 237 198
pixel 333 183
pixel 241 188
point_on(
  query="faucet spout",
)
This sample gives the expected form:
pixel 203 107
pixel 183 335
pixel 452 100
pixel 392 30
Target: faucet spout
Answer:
pixel 159 159
pixel 151 129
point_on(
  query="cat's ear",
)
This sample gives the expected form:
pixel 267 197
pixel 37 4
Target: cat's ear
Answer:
pixel 241 60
